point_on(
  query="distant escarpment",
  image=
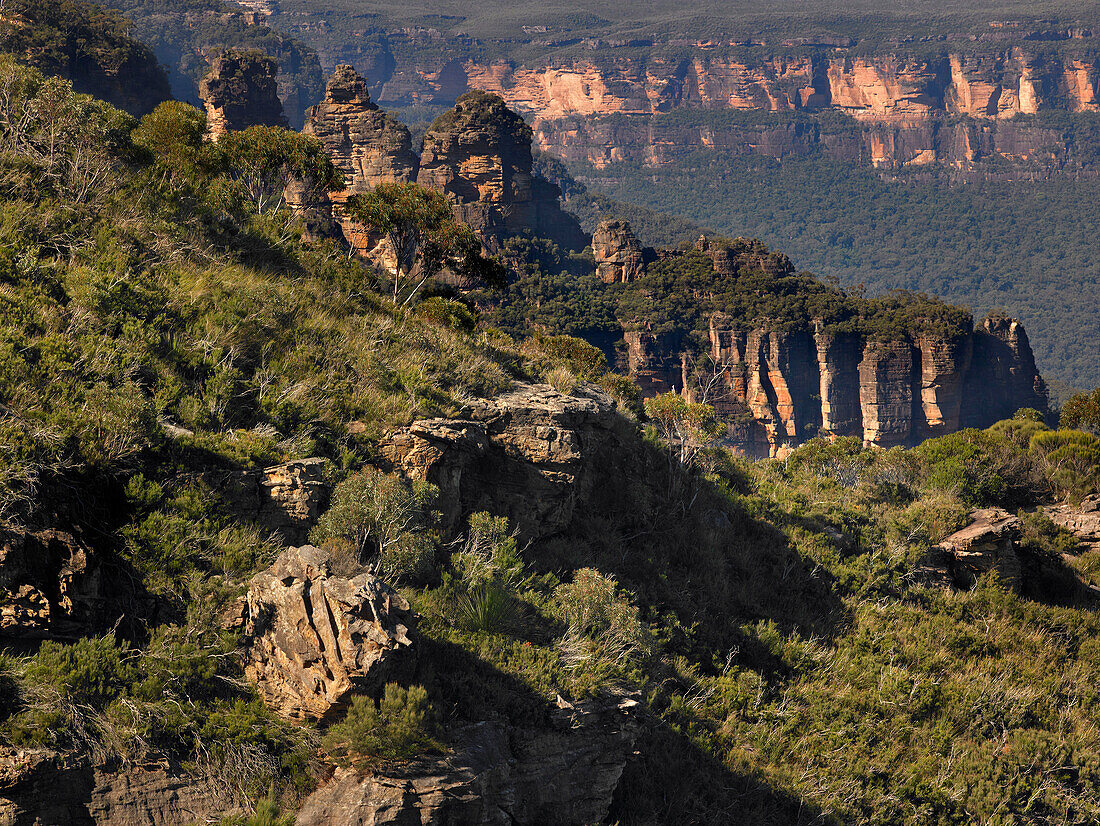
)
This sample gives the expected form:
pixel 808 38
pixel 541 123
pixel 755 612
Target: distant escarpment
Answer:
pixel 784 358
pixel 478 155
pixel 970 106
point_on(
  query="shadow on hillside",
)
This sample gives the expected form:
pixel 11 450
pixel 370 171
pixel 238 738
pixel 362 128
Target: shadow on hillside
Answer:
pixel 683 546
pixel 667 778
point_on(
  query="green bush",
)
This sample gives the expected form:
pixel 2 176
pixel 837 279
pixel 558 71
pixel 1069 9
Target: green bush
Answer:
pixel 448 312
pixel 92 670
pixel 398 728
pixel 382 519
pixel 603 624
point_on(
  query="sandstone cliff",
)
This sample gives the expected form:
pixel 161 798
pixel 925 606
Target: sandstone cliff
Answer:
pixel 865 373
pixel 908 108
pixel 240 91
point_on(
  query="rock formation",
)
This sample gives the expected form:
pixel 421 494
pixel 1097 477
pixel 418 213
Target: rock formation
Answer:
pixel 51 583
pixel 952 107
pixel 479 155
pixel 240 91
pixel 40 787
pixel 988 543
pixel 563 773
pixel 532 455
pixel 285 499
pixel 1082 520
pixel 617 251
pixel 777 388
pixel 313 638
pixel 368 145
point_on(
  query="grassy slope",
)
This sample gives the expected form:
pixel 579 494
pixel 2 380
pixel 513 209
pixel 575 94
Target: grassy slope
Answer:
pixel 791 668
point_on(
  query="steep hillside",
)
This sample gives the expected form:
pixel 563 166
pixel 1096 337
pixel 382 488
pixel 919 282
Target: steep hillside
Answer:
pixel 527 598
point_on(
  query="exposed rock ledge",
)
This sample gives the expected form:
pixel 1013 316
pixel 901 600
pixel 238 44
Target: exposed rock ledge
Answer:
pixel 531 455
pixel 563 774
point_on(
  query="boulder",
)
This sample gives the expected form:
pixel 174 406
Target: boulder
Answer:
pixel 988 543
pixel 531 455
pixel 41 787
pixel 564 773
pixel 312 639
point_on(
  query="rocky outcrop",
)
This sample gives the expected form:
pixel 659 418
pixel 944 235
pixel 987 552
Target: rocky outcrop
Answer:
pixel 51 584
pixel 240 91
pixel 284 499
pixel 313 638
pixel 479 156
pixel 618 252
pixel 776 388
pixel 41 787
pixel 987 544
pixel 564 773
pixel 1082 520
pixel 533 455
pixel 368 145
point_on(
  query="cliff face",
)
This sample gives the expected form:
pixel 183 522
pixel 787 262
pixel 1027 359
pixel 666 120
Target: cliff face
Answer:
pixel 953 108
pixel 479 155
pixel 776 384
pixel 780 388
pixel 240 91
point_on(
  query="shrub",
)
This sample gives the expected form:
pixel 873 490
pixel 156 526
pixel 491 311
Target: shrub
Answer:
pixel 489 554
pixel 91 670
pixel 603 623
pixel 448 312
pixel 398 728
pixel 488 608
pixel 381 517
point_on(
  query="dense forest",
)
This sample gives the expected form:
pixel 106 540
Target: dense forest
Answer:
pixel 1022 247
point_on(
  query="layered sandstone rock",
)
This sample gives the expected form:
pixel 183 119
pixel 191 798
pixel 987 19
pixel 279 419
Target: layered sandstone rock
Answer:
pixel 42 787
pixel 366 144
pixel 1004 377
pixel 618 252
pixel 240 91
pixel 1082 520
pixel 565 772
pixel 479 156
pixel 533 455
pixel 988 543
pixel 776 388
pixel 285 499
pixel 313 638
pixel 51 584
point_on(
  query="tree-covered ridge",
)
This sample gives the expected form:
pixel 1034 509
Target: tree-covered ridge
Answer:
pixel 186 35
pixel 87 45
